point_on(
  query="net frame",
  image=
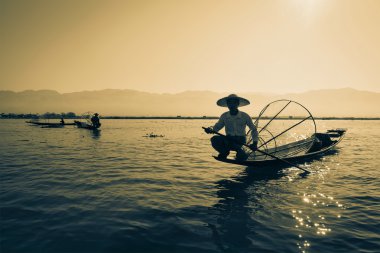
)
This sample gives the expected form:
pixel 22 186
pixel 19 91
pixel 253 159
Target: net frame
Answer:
pixel 298 146
pixel 86 117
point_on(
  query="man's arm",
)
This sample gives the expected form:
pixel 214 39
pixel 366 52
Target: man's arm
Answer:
pixel 218 125
pixel 254 133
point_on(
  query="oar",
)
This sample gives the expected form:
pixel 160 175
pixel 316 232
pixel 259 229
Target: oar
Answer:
pixel 263 152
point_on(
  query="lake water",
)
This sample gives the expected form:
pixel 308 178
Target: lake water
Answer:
pixel 75 190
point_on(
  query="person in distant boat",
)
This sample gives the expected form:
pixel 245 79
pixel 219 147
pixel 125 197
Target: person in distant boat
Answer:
pixel 95 120
pixel 62 121
pixel 235 123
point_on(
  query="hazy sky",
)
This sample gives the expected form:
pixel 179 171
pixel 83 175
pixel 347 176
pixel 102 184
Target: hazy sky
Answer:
pixel 172 46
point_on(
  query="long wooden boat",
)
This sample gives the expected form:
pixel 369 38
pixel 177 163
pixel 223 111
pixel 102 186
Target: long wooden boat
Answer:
pixel 85 125
pixel 293 152
pixel 49 123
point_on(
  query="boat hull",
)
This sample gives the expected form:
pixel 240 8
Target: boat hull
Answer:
pixel 49 124
pixel 311 155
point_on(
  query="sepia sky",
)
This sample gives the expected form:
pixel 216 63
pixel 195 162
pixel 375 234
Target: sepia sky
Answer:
pixel 173 46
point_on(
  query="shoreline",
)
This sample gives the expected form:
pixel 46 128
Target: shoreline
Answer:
pixel 191 118
pixel 214 117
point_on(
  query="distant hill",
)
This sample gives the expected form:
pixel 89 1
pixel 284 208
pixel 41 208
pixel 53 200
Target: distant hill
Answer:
pixel 322 103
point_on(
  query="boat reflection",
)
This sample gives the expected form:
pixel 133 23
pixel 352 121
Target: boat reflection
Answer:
pixel 95 133
pixel 235 228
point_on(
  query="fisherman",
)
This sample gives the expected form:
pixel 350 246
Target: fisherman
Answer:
pixel 95 120
pixel 235 123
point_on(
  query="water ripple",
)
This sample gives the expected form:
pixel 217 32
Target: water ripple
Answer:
pixel 73 190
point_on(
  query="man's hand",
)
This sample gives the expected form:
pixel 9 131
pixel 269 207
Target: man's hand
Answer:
pixel 209 130
pixel 253 146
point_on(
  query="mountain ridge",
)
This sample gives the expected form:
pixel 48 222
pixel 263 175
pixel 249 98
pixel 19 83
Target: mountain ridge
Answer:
pixel 344 102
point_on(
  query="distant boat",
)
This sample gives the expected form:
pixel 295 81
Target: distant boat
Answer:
pixel 49 123
pixel 85 125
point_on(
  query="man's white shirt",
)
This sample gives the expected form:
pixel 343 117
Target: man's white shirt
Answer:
pixel 235 124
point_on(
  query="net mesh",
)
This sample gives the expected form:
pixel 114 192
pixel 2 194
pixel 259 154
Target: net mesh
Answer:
pixel 86 117
pixel 286 128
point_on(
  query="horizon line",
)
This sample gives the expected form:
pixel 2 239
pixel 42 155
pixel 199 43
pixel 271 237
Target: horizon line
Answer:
pixel 58 116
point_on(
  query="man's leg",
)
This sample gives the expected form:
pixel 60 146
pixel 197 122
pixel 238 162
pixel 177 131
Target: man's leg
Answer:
pixel 240 153
pixel 220 144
